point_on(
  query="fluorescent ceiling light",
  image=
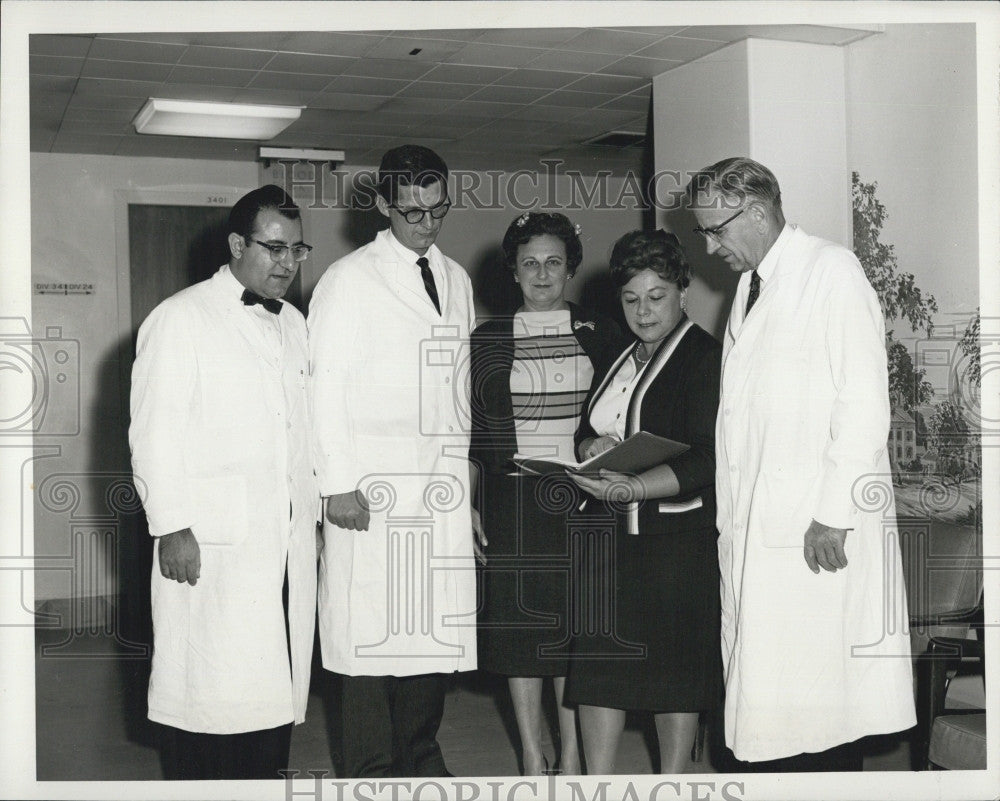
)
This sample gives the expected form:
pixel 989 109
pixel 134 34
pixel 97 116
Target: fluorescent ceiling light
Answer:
pixel 215 120
pixel 300 154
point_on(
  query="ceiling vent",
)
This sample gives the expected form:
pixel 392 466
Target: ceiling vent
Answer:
pixel 618 139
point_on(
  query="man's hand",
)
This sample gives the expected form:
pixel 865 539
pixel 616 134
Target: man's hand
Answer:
pixel 824 547
pixel 180 556
pixel 348 510
pixel 479 540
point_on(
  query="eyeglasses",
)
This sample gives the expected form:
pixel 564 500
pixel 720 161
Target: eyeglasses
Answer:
pixel 415 216
pixel 716 230
pixel 299 252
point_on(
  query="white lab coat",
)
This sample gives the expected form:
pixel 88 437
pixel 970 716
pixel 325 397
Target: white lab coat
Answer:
pixel 390 395
pixel 220 444
pixel 811 661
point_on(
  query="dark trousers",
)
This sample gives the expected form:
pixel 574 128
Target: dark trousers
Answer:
pixel 248 755
pixel 842 758
pixel 390 725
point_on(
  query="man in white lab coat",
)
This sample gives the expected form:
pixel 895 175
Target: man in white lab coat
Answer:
pixel 814 640
pixel 221 453
pixel 388 334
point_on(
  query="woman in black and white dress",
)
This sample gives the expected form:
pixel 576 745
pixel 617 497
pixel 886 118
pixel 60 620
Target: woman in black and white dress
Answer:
pixel 663 595
pixel 530 375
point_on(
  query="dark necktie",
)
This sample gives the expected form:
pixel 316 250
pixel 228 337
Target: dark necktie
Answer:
pixel 754 292
pixel 429 285
pixel 250 298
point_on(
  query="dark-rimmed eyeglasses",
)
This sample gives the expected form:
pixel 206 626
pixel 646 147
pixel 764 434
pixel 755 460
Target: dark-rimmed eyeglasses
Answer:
pixel 299 252
pixel 415 216
pixel 716 230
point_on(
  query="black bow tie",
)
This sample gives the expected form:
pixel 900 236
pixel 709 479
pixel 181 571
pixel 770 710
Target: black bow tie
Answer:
pixel 250 298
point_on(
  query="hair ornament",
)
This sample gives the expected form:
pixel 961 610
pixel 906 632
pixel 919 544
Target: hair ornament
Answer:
pixel 577 229
pixel 523 219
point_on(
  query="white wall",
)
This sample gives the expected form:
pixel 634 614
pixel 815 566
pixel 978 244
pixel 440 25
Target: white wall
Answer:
pixel 911 104
pixel 74 207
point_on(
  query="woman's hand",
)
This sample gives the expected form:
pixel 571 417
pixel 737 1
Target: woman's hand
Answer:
pixel 610 486
pixel 590 448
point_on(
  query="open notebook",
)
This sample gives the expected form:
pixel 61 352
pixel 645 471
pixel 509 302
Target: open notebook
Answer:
pixel 634 455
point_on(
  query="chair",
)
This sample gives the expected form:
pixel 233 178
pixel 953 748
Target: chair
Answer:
pixel 954 739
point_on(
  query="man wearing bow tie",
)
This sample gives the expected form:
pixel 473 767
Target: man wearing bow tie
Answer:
pixel 387 327
pixel 221 455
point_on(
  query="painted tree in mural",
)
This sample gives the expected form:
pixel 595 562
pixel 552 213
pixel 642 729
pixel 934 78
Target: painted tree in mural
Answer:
pixel 898 293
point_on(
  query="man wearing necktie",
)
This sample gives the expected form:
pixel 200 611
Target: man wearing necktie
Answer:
pixel 221 452
pixel 813 634
pixel 388 334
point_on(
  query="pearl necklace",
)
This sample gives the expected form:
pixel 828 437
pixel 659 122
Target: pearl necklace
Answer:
pixel 641 361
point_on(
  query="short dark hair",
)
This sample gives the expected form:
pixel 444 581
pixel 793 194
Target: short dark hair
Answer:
pixel 243 215
pixel 531 224
pixel 738 178
pixel 409 165
pixel 658 251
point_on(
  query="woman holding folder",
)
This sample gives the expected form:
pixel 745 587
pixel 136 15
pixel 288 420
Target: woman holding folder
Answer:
pixel 530 374
pixel 658 651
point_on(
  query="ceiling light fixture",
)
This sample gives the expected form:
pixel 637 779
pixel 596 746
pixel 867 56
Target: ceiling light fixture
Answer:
pixel 215 120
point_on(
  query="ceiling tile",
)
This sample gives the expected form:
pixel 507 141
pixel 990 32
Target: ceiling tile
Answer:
pixel 43 44
pixel 529 37
pixel 309 63
pixel 125 70
pixel 48 106
pixel 438 91
pixel 540 113
pixel 509 94
pixel 85 143
pixel 413 105
pixel 107 102
pixel 54 65
pixel 258 40
pixel 103 127
pixel 431 50
pixel 641 67
pixel 276 96
pixel 515 127
pixel 160 37
pixel 615 42
pixel 148 52
pixel 387 68
pixel 540 79
pixel 474 109
pixel 39 85
pixel 457 34
pixel 293 81
pixel 633 102
pixel 346 101
pixel 187 147
pixel 461 73
pixel 570 61
pixel 231 57
pixel 679 49
pixel 332 44
pixel 564 97
pixel 209 75
pixel 122 115
pixel 365 86
pixel 608 84
pixel 490 55
pixel 649 30
pixel 103 86
pixel 198 91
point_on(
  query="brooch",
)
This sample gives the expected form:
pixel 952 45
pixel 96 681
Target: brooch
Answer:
pixel 578 324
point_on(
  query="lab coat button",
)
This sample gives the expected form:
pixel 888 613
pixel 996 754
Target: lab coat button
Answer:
pixel 727 411
pixel 447 380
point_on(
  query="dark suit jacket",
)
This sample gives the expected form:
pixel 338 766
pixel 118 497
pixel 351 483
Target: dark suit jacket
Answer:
pixel 677 397
pixel 494 439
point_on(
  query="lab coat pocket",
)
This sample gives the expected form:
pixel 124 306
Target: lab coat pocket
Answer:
pixel 222 515
pixel 784 503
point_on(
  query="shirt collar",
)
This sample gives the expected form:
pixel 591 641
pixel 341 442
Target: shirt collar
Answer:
pixel 766 267
pixel 230 283
pixel 405 254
